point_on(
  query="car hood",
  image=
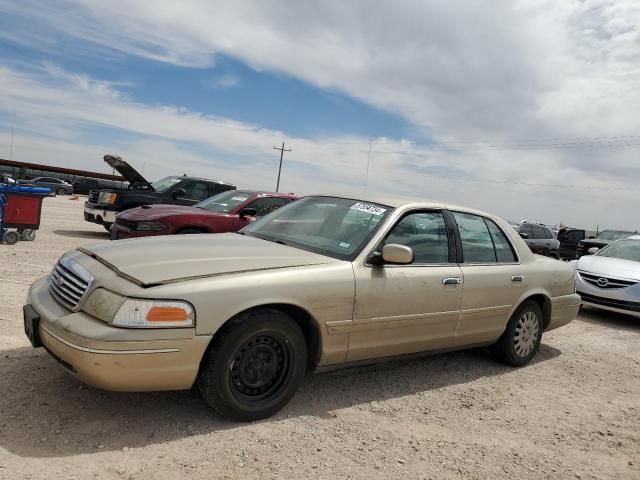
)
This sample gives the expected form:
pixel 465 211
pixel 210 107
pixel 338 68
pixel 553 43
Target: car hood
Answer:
pixel 610 267
pixel 126 170
pixel 166 259
pixel 156 212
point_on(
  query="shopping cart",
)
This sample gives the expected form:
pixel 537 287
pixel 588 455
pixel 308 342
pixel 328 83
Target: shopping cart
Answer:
pixel 20 212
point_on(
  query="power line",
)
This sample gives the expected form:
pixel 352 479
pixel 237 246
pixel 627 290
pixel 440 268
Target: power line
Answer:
pixel 282 150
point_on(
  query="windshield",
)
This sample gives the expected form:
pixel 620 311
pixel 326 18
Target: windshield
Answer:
pixel 336 227
pixel 165 184
pixel 623 249
pixel 224 202
pixel 611 235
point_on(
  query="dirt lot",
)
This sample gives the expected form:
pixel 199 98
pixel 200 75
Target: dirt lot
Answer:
pixel 573 413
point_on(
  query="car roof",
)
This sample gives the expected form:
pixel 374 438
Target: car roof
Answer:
pixel 396 201
pixel 632 237
pixel 202 179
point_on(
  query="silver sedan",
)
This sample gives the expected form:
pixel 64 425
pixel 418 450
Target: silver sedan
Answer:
pixel 610 279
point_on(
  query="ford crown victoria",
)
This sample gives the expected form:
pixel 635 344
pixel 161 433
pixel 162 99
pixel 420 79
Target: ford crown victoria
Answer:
pixel 322 282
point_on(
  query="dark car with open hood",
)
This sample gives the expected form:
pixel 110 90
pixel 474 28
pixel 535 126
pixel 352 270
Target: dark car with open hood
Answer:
pixel 103 205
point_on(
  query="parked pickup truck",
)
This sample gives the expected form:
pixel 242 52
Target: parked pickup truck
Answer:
pixel 103 205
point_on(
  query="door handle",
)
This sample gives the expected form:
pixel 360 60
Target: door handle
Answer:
pixel 517 278
pixel 452 281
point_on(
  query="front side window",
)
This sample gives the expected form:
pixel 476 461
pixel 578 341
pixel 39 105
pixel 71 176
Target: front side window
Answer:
pixel 266 205
pixel 332 226
pixel 196 190
pixel 528 229
pixel 425 233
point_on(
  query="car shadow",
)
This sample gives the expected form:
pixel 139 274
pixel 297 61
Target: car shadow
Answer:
pixel 616 320
pixel 45 412
pixel 82 234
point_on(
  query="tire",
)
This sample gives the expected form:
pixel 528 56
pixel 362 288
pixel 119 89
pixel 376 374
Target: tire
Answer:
pixel 28 235
pixel 190 231
pixel 61 191
pixel 554 255
pixel 11 237
pixel 107 225
pixel 231 385
pixel 521 340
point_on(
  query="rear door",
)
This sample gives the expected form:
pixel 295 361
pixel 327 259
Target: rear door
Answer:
pixel 493 279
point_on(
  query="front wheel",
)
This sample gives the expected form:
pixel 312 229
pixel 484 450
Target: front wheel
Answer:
pixel 61 191
pixel 255 365
pixel 521 340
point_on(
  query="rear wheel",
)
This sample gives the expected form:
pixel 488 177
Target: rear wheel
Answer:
pixel 107 225
pixel 554 255
pixel 190 231
pixel 11 237
pixel 255 365
pixel 521 340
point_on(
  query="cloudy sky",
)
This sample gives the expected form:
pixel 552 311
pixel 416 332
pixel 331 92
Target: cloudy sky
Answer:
pixel 528 109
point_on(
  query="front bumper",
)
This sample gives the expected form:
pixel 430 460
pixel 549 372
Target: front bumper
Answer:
pixel 113 358
pixel 119 232
pixel 619 300
pixel 99 215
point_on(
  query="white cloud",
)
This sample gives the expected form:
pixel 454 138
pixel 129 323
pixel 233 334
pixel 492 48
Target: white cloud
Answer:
pixel 224 81
pixel 510 72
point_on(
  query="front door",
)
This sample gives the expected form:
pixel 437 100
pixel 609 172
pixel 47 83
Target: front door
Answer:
pixel 493 279
pixel 408 308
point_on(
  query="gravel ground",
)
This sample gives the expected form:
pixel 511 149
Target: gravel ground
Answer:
pixel 572 413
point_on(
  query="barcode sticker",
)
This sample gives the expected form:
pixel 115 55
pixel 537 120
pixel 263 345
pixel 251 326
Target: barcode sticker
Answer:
pixel 369 208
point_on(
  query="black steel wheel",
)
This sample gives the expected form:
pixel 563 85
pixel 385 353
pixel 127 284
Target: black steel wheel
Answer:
pixel 11 237
pixel 254 365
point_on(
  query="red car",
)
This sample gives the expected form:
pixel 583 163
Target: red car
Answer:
pixel 226 212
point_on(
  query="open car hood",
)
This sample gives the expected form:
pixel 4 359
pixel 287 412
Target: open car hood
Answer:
pixel 127 171
pixel 173 258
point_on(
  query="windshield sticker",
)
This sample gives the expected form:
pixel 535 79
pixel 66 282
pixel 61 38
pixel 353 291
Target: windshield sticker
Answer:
pixel 344 245
pixel 369 208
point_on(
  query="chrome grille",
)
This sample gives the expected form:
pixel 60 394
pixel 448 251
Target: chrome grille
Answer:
pixel 69 283
pixel 93 196
pixel 605 283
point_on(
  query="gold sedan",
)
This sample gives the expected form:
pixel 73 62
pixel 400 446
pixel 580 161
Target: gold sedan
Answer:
pixel 323 282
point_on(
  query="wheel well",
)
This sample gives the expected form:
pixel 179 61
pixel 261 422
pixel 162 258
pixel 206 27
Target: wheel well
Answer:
pixel 304 320
pixel 545 305
pixel 200 229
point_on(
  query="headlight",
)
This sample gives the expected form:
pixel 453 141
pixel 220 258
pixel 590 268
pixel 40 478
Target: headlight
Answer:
pixel 154 314
pixel 150 226
pixel 108 198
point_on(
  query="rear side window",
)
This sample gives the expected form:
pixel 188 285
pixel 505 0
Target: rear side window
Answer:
pixel 548 234
pixel 483 241
pixel 477 245
pixel 504 250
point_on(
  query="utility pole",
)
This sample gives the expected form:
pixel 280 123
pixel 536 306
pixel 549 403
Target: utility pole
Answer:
pixel 366 177
pixel 13 123
pixel 282 150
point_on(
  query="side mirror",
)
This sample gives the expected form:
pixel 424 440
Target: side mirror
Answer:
pixel 592 250
pixel 524 235
pixel 398 254
pixel 248 212
pixel 591 237
pixel 179 193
